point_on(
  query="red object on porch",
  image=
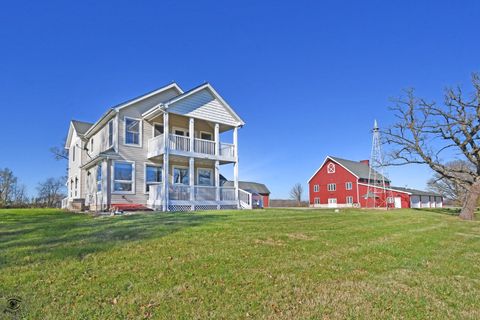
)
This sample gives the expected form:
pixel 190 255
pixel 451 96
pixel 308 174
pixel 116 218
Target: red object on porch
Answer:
pixel 130 207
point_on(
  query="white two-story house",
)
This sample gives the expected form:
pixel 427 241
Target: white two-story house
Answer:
pixel 162 150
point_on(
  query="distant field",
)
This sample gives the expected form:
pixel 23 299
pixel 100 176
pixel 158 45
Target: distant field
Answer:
pixel 272 264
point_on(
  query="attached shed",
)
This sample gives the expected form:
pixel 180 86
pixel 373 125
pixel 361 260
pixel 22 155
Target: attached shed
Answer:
pixel 259 191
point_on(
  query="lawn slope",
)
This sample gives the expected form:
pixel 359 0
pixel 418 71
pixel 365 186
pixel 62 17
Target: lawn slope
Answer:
pixel 272 264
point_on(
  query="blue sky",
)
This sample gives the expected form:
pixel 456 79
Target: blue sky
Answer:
pixel 308 77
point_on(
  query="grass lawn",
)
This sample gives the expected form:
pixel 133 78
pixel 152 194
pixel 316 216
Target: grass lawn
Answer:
pixel 272 264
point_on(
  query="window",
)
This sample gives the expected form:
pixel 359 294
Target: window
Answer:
pixel 348 186
pixel 180 175
pixel 132 132
pixel 110 134
pixel 99 178
pixel 331 168
pixel 157 129
pixel 180 132
pixel 349 200
pixel 91 145
pixel 316 200
pixel 205 177
pixel 206 135
pixel 332 200
pixel 76 186
pixel 316 188
pixel 123 177
pixel 73 154
pixel 390 200
pixel 331 187
pixel 153 176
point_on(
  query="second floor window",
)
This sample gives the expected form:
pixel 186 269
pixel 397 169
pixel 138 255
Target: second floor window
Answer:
pixel 316 188
pixel 73 153
pixel 91 145
pixel 132 131
pixel 348 186
pixel 331 187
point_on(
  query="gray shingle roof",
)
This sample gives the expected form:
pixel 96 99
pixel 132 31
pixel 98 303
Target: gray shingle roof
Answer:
pixel 81 127
pixel 359 169
pixel 416 192
pixel 259 188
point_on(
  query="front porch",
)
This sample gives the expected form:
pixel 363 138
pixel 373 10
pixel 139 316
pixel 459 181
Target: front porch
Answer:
pixel 196 197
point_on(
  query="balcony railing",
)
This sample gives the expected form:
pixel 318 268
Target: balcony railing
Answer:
pixel 181 144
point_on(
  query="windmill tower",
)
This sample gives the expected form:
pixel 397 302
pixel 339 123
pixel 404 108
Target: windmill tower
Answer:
pixel 377 195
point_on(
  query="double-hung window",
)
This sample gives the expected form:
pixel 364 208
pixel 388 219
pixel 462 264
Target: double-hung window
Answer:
pixel 331 187
pixel 348 186
pixel 180 176
pixel 316 187
pixel 133 132
pixel 123 177
pixel 205 177
pixel 349 200
pixel 99 178
pixel 316 200
pixel 153 176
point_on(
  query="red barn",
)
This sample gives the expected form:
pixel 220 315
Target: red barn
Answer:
pixel 344 183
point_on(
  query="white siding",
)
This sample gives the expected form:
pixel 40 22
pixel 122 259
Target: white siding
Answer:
pixel 74 171
pixel 203 105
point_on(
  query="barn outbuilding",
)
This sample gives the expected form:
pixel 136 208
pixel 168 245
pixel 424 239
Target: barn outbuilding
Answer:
pixel 346 183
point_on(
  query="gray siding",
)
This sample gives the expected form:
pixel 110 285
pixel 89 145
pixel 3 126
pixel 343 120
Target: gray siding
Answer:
pixel 203 105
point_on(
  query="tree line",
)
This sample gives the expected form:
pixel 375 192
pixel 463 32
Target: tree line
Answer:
pixel 13 194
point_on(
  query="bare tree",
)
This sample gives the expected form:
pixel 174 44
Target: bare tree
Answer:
pixel 448 188
pixel 51 192
pixel 59 152
pixel 296 192
pixel 426 132
pixel 8 184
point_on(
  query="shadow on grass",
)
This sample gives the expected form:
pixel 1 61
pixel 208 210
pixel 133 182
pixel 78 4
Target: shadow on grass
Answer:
pixel 32 236
pixel 447 211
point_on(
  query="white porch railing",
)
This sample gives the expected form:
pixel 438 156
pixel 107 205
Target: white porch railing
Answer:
pixel 156 146
pixel 204 146
pixel 227 194
pixel 227 150
pixel 245 199
pixel 179 192
pixel 180 143
pixel 205 193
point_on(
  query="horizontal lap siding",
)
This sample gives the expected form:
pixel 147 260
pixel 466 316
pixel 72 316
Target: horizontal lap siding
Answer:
pixel 134 153
pixel 203 105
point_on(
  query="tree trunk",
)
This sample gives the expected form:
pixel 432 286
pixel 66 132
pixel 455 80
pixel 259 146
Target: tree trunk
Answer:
pixel 470 204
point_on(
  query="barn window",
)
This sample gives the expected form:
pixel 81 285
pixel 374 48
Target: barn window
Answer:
pixel 350 200
pixel 316 188
pixel 316 200
pixel 331 187
pixel 331 168
pixel 348 186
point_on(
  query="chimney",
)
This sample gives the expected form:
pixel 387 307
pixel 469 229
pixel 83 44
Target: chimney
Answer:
pixel 366 162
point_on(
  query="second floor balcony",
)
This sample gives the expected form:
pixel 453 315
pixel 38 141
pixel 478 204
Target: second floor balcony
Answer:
pixel 191 147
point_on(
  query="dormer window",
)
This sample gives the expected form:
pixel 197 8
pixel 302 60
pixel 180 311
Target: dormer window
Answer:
pixel 331 168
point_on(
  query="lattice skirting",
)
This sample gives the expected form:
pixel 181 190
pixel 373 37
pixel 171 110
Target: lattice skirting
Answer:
pixel 205 207
pixel 177 207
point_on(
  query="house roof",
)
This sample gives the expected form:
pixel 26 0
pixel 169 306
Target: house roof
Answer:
pixel 172 85
pixel 259 188
pixel 81 127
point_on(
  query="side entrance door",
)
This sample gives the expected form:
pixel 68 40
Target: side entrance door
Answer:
pixel 332 202
pixel 398 202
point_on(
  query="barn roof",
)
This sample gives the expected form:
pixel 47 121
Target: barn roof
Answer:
pixel 259 188
pixel 361 170
pixel 416 192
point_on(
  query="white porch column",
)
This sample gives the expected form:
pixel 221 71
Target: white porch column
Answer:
pixel 165 171
pixel 217 182
pixel 191 130
pixel 235 165
pixel 217 139
pixel 191 179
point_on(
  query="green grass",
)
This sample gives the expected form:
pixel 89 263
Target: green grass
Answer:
pixel 272 264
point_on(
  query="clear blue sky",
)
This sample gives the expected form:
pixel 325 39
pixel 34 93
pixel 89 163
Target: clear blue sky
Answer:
pixel 308 77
